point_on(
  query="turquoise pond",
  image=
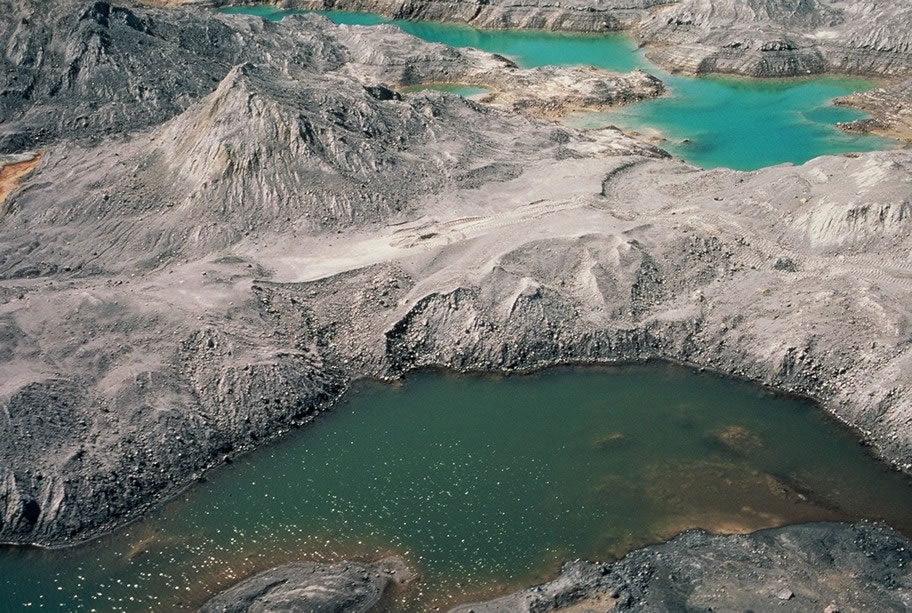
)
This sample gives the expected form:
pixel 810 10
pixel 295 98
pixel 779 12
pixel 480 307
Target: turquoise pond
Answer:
pixel 708 121
pixel 483 484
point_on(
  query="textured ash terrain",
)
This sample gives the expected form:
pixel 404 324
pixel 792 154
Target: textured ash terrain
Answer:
pixel 211 225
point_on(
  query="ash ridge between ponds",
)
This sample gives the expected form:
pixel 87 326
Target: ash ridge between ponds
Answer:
pixel 231 220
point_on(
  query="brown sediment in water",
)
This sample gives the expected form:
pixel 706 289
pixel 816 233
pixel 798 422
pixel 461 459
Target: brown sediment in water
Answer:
pixel 736 438
pixel 147 542
pixel 744 500
pixel 11 174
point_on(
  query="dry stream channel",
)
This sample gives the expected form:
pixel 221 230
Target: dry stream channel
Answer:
pixel 485 484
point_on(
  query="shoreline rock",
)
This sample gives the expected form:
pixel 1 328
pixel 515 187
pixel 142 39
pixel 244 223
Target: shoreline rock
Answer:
pixel 867 567
pixel 757 38
pixel 308 587
pixel 809 567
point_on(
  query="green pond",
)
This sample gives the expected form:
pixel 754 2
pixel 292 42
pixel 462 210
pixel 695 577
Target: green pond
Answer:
pixel 708 121
pixel 482 484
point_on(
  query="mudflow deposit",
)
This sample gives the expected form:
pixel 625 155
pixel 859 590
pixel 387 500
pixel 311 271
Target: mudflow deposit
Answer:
pixel 211 225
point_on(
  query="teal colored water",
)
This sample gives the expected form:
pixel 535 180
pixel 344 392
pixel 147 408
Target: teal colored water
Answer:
pixel 483 484
pixel 708 121
pixel 733 123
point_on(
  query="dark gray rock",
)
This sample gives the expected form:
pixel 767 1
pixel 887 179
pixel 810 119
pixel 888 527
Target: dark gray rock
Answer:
pixel 800 569
pixel 308 587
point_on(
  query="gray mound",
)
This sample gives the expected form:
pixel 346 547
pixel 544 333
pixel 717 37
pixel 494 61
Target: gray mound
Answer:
pixel 307 587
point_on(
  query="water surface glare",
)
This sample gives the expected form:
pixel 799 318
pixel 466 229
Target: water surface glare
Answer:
pixel 709 121
pixel 483 484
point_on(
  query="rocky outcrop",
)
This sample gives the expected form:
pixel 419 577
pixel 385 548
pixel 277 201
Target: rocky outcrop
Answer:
pixel 307 587
pixel 890 109
pixel 867 568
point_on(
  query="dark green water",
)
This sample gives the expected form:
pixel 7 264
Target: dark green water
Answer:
pixel 708 121
pixel 483 484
